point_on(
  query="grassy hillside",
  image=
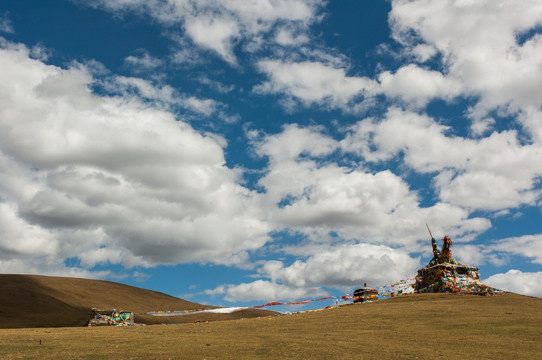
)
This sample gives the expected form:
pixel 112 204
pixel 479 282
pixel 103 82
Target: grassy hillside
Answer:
pixel 45 301
pixel 426 326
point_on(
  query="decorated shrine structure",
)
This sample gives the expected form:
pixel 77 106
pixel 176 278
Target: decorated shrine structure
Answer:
pixel 444 274
pixel 365 294
pixel 101 317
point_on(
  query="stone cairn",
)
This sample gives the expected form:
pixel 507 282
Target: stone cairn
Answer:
pixel 444 274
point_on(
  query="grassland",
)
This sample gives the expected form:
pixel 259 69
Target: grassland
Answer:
pixel 33 301
pixel 426 326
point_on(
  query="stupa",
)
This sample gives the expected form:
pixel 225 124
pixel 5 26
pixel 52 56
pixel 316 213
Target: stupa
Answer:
pixel 365 294
pixel 444 274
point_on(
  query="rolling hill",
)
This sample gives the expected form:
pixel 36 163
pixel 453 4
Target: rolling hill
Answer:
pixel 421 326
pixel 30 301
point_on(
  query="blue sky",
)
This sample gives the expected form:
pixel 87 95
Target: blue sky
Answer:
pixel 239 152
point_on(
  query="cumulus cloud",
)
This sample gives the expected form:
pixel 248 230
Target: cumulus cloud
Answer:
pixel 490 173
pixel 325 83
pixel 474 255
pixel 111 178
pixel 517 281
pixel 37 266
pixel 345 265
pixel 528 246
pixel 499 252
pixel 315 197
pixel 19 239
pixel 492 57
pixel 295 141
pixel 214 33
pixel 219 25
pixel 416 86
pixel 311 82
pixel 118 179
pixel 478 255
pixel 333 267
pixel 261 290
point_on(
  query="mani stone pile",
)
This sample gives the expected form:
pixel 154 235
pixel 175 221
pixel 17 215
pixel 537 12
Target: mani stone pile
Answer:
pixel 444 274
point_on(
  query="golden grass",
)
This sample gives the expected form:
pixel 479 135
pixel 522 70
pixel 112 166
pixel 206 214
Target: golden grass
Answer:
pixel 426 326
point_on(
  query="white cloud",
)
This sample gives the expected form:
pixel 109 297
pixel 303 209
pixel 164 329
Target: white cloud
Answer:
pixel 19 239
pixel 184 53
pixel 6 25
pixel 218 25
pixel 166 97
pixel 345 265
pixel 332 266
pixel 415 86
pixel 41 266
pixel 261 290
pixel 499 252
pixel 295 141
pixel 529 246
pixel 40 52
pixel 112 178
pixel 524 283
pixel 216 85
pixel 143 61
pixel 491 173
pixel 214 33
pixel 311 82
pixel 473 255
pixel 315 197
pixel 326 84
pixel 423 52
pixel 482 52
pixel 287 36
pixel 201 106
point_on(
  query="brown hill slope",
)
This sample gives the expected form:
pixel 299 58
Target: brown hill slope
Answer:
pixel 422 326
pixel 46 301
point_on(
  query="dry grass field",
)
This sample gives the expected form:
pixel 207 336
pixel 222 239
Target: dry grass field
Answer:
pixel 426 326
pixel 32 301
